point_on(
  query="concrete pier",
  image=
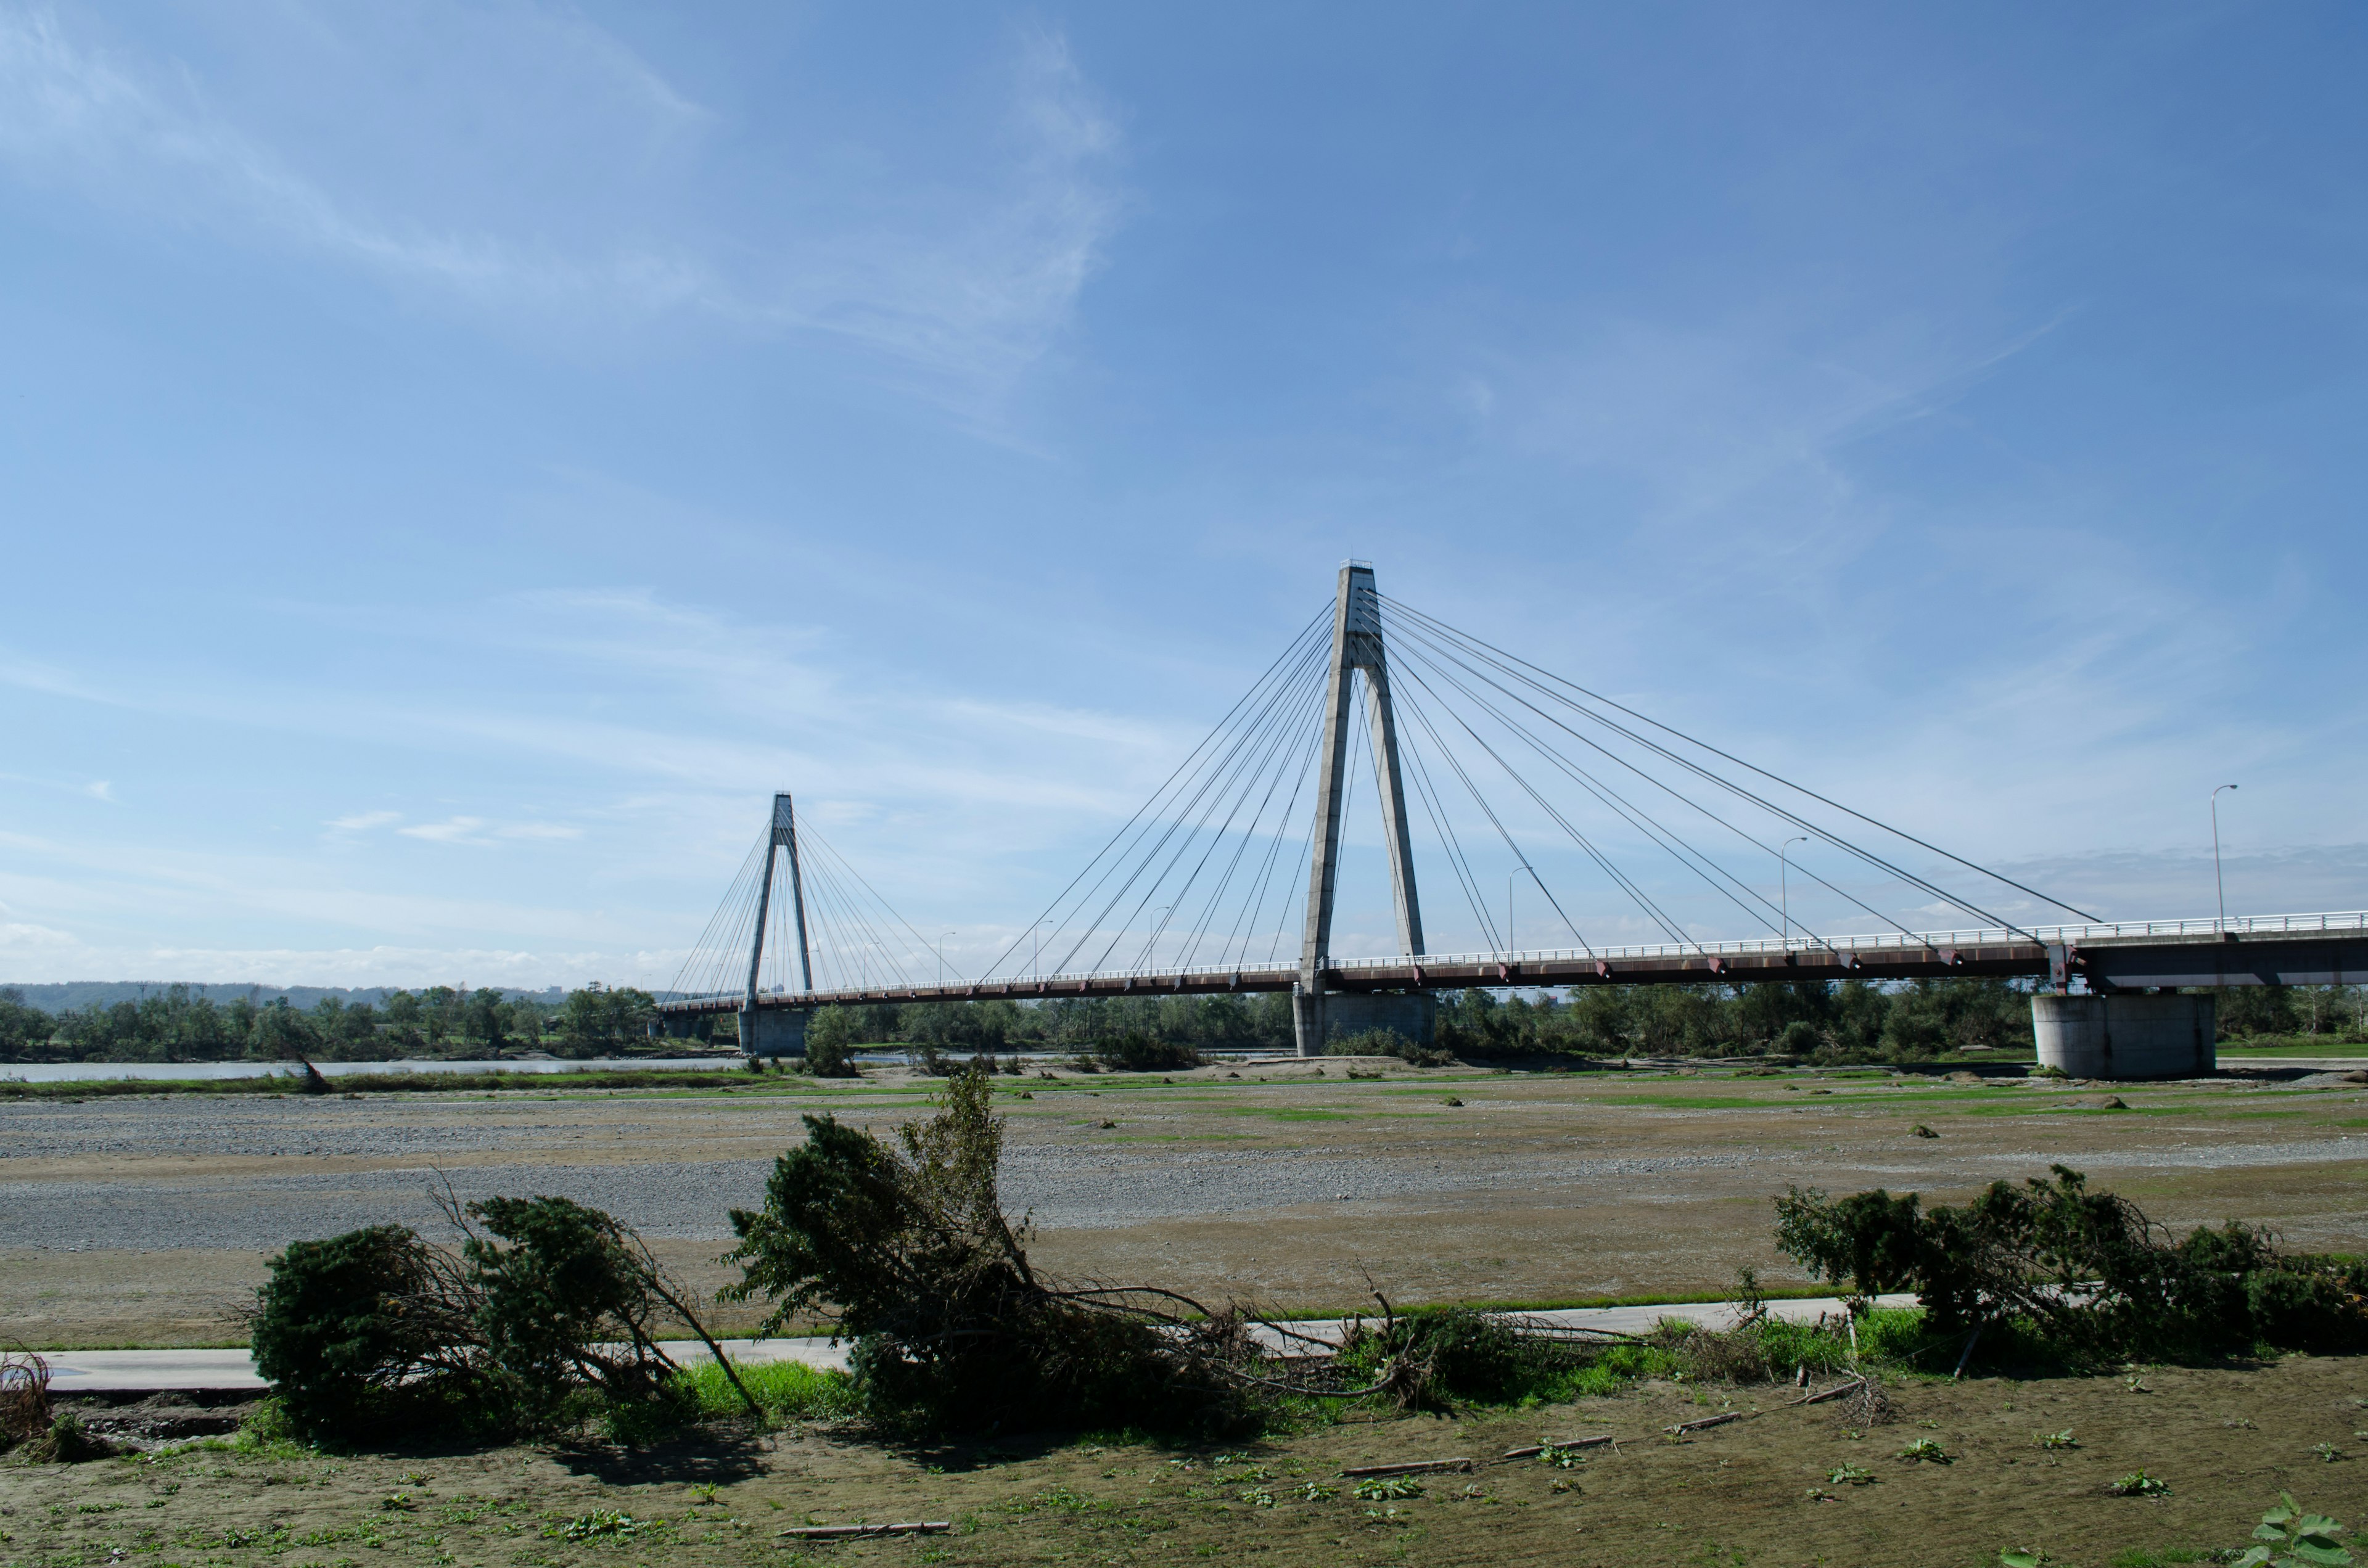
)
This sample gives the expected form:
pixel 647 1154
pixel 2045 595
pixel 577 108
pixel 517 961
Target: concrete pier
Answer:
pixel 1326 1016
pixel 773 1031
pixel 2126 1035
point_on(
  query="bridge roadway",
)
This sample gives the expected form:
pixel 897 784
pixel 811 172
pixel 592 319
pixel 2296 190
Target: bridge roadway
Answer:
pixel 2275 950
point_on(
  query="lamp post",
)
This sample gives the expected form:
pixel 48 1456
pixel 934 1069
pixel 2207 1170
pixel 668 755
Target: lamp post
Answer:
pixel 1784 886
pixel 1036 949
pixel 941 957
pixel 1510 949
pixel 2218 887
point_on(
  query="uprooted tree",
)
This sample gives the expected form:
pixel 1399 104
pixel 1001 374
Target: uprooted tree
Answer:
pixel 2088 1268
pixel 548 1312
pixel 905 1249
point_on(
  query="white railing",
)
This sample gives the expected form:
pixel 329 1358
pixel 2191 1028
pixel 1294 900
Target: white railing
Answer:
pixel 2122 930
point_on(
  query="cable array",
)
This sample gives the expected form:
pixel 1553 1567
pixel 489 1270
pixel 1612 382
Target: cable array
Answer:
pixel 1502 760
pixel 1198 875
pixel 855 939
pixel 1496 701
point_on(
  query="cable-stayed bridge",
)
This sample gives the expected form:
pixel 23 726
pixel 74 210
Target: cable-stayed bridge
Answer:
pixel 1202 891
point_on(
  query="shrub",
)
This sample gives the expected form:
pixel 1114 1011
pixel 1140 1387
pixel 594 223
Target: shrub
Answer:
pixel 1451 1354
pixel 830 1045
pixel 1388 1043
pixel 1135 1052
pixel 549 1314
pixel 341 1322
pixel 2088 1268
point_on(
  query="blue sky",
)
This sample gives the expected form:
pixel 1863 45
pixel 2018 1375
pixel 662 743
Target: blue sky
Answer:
pixel 459 459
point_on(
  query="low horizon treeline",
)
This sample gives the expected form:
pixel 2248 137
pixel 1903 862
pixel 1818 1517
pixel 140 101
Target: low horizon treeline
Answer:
pixel 174 1025
pixel 1850 1021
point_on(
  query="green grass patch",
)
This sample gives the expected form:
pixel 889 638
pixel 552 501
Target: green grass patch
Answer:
pixel 788 1391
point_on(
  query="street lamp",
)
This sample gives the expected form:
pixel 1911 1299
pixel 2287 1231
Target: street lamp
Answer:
pixel 1783 886
pixel 1150 954
pixel 1510 949
pixel 941 957
pixel 2217 886
pixel 1036 949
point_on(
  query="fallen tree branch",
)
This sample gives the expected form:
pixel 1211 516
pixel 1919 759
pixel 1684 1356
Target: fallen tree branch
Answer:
pixel 1416 1467
pixel 858 1532
pixel 1834 1393
pixel 1536 1448
pixel 1721 1419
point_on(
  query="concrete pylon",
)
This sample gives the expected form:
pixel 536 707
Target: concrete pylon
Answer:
pixel 1356 649
pixel 787 1035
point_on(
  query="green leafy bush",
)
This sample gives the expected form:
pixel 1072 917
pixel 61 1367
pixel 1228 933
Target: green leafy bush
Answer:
pixel 548 1314
pixel 1448 1355
pixel 341 1324
pixel 1388 1043
pixel 1135 1052
pixel 830 1042
pixel 2088 1269
pixel 2288 1538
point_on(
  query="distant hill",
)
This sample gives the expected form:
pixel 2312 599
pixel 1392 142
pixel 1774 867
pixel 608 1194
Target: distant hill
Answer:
pixel 78 994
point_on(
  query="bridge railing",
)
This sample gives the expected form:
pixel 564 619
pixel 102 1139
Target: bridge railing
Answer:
pixel 1993 936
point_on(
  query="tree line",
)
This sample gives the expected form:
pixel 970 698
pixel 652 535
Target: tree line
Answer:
pixel 1850 1021
pixel 173 1025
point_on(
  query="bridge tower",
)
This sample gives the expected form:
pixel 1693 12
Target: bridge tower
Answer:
pixel 782 1031
pixel 1357 649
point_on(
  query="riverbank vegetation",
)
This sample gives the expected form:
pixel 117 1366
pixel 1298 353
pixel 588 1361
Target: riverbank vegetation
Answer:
pixel 544 1318
pixel 1854 1021
pixel 176 1023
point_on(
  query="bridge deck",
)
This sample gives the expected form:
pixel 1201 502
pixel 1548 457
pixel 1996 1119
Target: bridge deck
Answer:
pixel 2293 949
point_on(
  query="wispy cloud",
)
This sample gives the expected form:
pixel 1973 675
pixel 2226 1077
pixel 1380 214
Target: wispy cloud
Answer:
pixel 362 821
pixel 451 830
pixel 470 830
pixel 963 282
pixel 99 789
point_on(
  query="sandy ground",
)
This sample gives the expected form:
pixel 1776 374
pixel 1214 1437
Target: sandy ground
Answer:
pixel 147 1219
pixel 1757 1491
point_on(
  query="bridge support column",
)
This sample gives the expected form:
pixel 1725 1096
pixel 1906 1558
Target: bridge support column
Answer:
pixel 774 1032
pixel 679 1026
pixel 1337 1014
pixel 2126 1035
pixel 1356 649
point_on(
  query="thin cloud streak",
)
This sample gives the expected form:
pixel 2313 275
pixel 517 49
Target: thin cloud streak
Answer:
pixel 965 289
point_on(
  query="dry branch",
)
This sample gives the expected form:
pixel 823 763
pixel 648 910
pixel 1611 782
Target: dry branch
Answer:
pixel 1536 1448
pixel 1416 1467
pixel 858 1532
pixel 1719 1420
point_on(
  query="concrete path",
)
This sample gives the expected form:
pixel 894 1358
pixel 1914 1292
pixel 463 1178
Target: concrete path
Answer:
pixel 231 1371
